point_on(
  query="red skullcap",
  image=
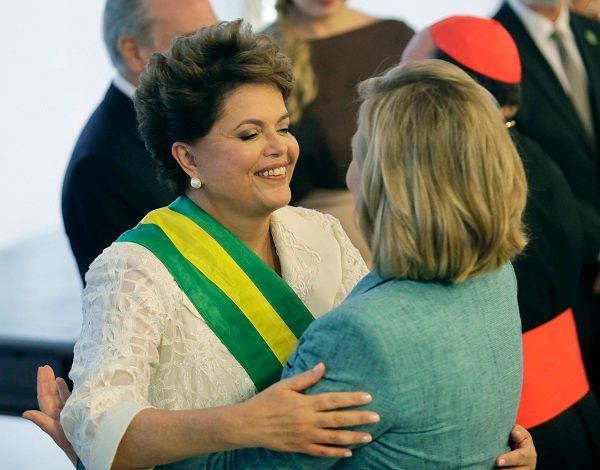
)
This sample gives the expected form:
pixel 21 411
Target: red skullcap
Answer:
pixel 480 44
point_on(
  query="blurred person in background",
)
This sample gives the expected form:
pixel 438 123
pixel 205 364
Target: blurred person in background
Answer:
pixel 110 182
pixel 332 48
pixel 560 110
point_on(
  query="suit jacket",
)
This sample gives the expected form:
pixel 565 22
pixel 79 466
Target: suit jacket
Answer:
pixel 548 277
pixel 110 182
pixel 548 116
pixel 442 362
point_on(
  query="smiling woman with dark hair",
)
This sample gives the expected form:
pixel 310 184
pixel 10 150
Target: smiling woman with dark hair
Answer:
pixel 191 310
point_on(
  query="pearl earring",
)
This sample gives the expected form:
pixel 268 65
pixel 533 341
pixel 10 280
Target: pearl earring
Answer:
pixel 195 182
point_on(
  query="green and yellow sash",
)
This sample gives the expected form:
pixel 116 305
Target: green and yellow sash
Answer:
pixel 248 306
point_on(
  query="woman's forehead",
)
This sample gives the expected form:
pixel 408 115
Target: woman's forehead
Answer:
pixel 254 101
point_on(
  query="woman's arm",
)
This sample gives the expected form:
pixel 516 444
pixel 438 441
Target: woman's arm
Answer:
pixel 279 418
pixel 53 393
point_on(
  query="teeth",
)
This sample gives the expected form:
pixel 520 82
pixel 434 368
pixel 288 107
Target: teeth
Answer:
pixel 274 172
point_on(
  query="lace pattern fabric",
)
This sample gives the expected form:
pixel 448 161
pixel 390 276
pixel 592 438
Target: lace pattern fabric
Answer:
pixel 143 344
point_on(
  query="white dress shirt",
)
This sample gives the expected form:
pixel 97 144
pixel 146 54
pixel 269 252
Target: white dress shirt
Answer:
pixel 540 29
pixel 124 85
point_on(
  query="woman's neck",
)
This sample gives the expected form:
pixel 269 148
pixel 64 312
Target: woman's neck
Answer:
pixel 254 232
pixel 342 21
pixel 256 235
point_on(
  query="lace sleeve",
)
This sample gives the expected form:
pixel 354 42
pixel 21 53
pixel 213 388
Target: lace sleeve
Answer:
pixel 115 353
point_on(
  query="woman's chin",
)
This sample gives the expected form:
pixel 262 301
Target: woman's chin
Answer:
pixel 277 199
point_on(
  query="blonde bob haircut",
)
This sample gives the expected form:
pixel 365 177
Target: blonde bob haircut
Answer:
pixel 443 187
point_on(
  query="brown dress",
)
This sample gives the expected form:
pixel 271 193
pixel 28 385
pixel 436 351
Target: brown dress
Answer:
pixel 324 132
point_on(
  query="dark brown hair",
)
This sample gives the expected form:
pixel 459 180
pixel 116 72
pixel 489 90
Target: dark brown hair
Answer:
pixel 181 94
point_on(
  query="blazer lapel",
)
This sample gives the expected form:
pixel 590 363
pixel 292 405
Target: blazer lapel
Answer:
pixel 536 65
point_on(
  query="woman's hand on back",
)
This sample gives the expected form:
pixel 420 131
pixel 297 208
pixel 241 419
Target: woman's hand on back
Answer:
pixel 282 418
pixel 523 454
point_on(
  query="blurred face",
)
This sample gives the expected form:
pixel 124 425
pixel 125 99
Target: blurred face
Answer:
pixel 173 18
pixel 318 8
pixel 247 159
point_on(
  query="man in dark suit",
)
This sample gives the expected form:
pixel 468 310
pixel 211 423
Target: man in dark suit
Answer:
pixel 110 182
pixel 560 109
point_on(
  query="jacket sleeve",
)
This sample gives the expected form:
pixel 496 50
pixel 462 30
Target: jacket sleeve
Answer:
pixel 352 358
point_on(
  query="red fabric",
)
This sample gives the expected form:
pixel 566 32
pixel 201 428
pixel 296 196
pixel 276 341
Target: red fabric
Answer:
pixel 481 44
pixel 554 377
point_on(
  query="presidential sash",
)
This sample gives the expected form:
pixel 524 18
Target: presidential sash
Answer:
pixel 256 315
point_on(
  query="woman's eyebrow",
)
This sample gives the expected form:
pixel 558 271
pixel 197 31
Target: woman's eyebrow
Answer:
pixel 258 122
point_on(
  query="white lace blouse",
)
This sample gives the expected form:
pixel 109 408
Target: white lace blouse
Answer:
pixel 143 344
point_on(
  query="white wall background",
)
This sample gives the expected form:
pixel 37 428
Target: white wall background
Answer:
pixel 53 71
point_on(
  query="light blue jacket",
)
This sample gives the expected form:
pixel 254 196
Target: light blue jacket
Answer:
pixel 442 361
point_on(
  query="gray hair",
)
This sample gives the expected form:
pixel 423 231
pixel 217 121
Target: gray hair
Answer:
pixel 129 17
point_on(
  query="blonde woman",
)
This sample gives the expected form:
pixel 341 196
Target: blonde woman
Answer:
pixel 332 48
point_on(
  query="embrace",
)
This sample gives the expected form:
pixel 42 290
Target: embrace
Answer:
pixel 214 298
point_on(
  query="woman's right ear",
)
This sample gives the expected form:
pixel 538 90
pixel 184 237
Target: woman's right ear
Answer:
pixel 182 152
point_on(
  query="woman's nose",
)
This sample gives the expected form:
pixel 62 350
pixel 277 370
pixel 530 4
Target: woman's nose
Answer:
pixel 276 144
